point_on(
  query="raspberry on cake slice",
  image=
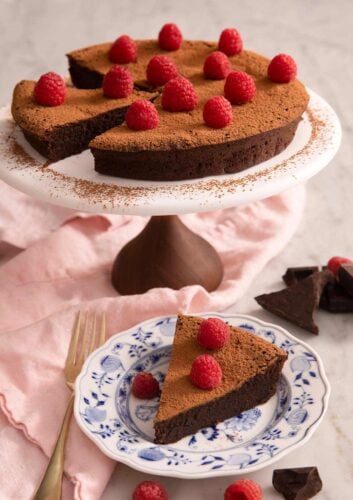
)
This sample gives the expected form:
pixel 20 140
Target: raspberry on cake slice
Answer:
pixel 202 389
pixel 50 90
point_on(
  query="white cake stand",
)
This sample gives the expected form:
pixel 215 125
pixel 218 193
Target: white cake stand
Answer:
pixel 158 256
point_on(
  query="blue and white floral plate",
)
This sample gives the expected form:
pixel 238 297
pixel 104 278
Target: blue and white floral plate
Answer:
pixel 122 426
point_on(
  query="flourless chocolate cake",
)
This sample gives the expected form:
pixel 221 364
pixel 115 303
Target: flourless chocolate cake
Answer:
pixel 251 368
pixel 182 146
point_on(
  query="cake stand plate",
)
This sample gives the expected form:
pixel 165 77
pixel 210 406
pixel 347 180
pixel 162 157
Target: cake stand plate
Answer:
pixel 73 182
pixel 166 253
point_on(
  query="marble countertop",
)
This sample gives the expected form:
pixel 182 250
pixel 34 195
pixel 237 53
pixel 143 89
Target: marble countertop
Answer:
pixel 34 37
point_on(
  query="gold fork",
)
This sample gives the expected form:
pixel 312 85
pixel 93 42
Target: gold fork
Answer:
pixel 84 340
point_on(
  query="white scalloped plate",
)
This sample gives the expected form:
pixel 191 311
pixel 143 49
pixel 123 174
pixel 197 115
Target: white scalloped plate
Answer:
pixel 315 143
pixel 122 426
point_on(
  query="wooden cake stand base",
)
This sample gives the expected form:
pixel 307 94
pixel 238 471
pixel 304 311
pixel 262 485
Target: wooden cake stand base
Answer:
pixel 166 254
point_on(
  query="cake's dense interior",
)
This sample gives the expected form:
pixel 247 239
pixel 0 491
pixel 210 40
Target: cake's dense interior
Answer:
pixel 250 365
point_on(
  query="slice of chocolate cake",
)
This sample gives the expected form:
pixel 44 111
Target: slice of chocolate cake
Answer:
pixel 251 368
pixel 61 131
pixel 298 302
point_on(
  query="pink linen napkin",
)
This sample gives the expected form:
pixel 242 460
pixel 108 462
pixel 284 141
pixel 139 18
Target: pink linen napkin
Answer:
pixel 66 267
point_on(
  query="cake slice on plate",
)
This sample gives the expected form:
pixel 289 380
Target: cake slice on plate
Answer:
pixel 250 366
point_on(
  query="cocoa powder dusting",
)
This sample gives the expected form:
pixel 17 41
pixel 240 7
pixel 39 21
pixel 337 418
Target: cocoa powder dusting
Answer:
pixel 108 196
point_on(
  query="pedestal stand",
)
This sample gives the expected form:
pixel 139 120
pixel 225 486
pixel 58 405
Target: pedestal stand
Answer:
pixel 166 254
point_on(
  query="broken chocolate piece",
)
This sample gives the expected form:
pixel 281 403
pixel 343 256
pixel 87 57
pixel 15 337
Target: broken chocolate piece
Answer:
pixel 295 274
pixel 297 484
pixel 335 299
pixel 345 277
pixel 298 302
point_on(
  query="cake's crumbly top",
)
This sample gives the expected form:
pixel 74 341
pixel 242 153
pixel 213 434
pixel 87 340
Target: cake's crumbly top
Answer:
pixel 80 104
pixel 243 357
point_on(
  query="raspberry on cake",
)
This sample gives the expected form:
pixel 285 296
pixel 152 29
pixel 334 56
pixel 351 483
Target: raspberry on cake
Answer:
pixel 123 50
pixel 179 95
pixel 50 90
pixel 217 112
pixel 206 372
pixel 142 115
pixel 230 42
pixel 118 83
pixel 282 69
pixel 160 69
pixel 239 87
pixel 213 333
pixel 216 66
pixel 170 37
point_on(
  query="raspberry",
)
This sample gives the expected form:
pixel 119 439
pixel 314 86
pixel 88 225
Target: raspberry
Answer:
pixel 145 386
pixel 160 70
pixel 230 42
pixel 335 262
pixel 239 87
pixel 179 95
pixel 282 69
pixel 216 66
pixel 213 332
pixel 118 82
pixel 142 115
pixel 217 112
pixel 206 372
pixel 123 50
pixel 244 489
pixel 50 90
pixel 170 37
pixel 149 490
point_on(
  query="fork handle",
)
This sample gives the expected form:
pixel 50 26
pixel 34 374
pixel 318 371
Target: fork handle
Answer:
pixel 50 487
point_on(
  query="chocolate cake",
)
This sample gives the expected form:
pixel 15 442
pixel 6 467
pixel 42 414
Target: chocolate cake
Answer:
pixel 251 368
pixel 61 131
pixel 182 146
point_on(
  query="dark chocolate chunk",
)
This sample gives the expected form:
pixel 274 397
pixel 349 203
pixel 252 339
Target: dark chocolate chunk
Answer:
pixel 335 299
pixel 297 484
pixel 298 302
pixel 295 274
pixel 345 277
